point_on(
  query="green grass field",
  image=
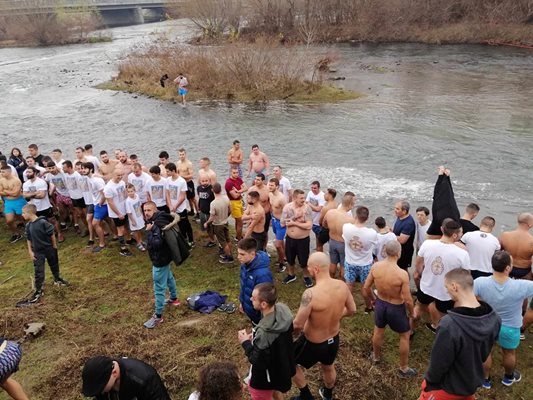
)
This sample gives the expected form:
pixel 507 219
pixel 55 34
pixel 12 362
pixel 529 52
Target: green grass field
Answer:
pixel 110 297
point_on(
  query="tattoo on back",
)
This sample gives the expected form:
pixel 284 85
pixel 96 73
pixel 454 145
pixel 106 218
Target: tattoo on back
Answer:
pixel 306 298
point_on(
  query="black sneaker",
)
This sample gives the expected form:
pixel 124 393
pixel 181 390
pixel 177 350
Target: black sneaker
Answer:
pixel 63 226
pixel 308 282
pixel 36 296
pixel 125 253
pixel 226 260
pixel 430 327
pixel 131 241
pixel 288 279
pixel 61 282
pixel 90 243
pixel 15 238
pixel 282 266
pixel 322 395
pixel 368 310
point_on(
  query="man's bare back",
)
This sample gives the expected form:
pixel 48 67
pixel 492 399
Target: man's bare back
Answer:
pixel 330 205
pixel 391 281
pixel 334 220
pixel 519 244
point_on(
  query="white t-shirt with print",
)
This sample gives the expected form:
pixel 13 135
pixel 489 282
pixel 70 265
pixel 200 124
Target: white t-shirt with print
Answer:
pixel 135 213
pixel 38 185
pixel 157 191
pixel 481 247
pixel 285 187
pixel 85 185
pixel 71 180
pixel 383 238
pixel 174 188
pixel 116 192
pixel 140 183
pixel 439 258
pixel 96 185
pixel 316 200
pixel 359 243
pixel 60 183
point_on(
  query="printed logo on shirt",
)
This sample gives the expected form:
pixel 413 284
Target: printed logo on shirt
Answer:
pixel 72 183
pixel 173 190
pixel 157 192
pixel 121 193
pixel 84 185
pixel 437 266
pixel 355 243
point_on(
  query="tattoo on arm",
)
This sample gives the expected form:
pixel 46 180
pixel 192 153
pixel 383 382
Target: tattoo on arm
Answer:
pixel 306 298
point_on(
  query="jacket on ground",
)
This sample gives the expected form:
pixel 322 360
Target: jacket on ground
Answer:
pixel 255 272
pixel 271 351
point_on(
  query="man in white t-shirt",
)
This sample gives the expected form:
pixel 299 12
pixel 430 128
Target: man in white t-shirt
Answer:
pixel 72 178
pixel 139 179
pixel 156 188
pixel 385 235
pixel 285 186
pixel 60 194
pixel 435 258
pixel 30 162
pixel 315 200
pixel 98 212
pixel 481 246
pixel 176 196
pixel 57 157
pixel 422 224
pixel 359 243
pixel 115 195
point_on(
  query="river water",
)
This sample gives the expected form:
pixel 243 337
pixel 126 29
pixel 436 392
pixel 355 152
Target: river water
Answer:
pixel 468 107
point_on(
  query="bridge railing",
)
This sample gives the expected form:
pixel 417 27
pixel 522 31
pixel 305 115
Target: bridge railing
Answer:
pixel 8 5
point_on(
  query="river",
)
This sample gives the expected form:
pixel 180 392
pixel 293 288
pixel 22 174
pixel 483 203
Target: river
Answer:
pixel 468 107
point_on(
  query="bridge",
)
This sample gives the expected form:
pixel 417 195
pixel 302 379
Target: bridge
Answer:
pixel 113 12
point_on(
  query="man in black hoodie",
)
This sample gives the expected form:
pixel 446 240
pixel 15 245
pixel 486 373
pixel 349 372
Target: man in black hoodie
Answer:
pixel 42 246
pixel 161 256
pixel 464 340
pixel 269 348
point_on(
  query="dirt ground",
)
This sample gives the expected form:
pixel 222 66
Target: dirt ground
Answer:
pixel 110 297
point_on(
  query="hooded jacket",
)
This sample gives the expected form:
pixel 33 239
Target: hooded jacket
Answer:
pixel 270 352
pixel 464 340
pixel 255 272
pixel 39 233
pixel 158 249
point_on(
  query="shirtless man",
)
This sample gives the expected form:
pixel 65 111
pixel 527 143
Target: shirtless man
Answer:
pixel 318 318
pixel 519 243
pixel 392 306
pixel 255 215
pixel 235 157
pixel 126 165
pixel 205 168
pixel 323 233
pixel 277 202
pixel 107 166
pixel 334 221
pixel 260 187
pixel 11 192
pixel 163 161
pixel 297 218
pixel 257 163
pixel 186 171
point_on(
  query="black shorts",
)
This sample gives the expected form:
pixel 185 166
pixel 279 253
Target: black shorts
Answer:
pixel 120 222
pixel 308 354
pixel 478 274
pixel 79 203
pixel 260 238
pixel 190 190
pixel 164 208
pixel 268 218
pixel 90 208
pixel 441 305
pixel 48 213
pixel 297 248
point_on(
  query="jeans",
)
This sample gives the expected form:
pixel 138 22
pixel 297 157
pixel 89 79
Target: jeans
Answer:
pixel 163 278
pixel 49 254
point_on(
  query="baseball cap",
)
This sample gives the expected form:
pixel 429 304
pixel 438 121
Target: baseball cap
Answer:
pixel 95 375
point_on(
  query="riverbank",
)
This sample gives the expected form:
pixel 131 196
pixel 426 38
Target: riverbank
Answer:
pixel 109 298
pixel 263 71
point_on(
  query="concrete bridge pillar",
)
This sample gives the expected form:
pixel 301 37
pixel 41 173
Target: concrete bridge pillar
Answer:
pixel 128 16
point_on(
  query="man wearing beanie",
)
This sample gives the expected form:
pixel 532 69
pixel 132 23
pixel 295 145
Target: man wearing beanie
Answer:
pixel 105 378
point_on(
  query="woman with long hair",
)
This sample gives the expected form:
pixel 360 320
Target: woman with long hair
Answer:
pixel 16 159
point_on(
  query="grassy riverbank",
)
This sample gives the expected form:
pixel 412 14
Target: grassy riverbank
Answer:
pixel 235 72
pixel 111 296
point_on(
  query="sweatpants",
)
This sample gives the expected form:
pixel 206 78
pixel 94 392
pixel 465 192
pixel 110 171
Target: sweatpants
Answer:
pixel 185 226
pixel 49 254
pixel 163 279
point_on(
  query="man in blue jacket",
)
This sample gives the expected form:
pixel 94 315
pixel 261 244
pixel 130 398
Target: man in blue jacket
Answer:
pixel 255 269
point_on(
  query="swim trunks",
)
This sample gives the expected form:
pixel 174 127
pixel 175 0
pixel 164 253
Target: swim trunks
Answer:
pixel 236 208
pixel 519 273
pixel 14 206
pixel 442 305
pixel 190 190
pixel 336 252
pixel 316 229
pixel 9 360
pixel 100 212
pixel 393 315
pixel 323 235
pixel 509 337
pixel 48 213
pixel 260 238
pixel 352 272
pixel 307 353
pixel 79 203
pixel 297 248
pixel 279 231
pixel 478 274
pixel 63 200
pixel 182 91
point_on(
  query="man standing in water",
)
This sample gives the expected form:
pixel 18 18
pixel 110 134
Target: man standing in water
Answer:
pixel 235 157
pixel 321 310
pixel 519 243
pixel 258 163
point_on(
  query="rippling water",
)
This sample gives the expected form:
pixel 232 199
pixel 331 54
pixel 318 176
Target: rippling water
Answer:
pixel 469 107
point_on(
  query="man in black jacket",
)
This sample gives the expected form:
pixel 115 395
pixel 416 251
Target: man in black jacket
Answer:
pixel 269 348
pixel 105 378
pixel 161 256
pixel 464 340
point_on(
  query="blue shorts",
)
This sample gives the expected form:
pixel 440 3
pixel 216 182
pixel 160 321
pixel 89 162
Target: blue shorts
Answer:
pixel 352 272
pixel 100 212
pixel 279 231
pixel 316 229
pixel 14 206
pixel 336 252
pixel 509 338
pixel 182 91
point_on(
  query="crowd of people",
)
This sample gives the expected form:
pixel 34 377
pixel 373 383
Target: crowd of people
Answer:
pixel 473 286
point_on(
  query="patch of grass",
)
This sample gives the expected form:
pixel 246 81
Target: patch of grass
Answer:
pixel 109 298
pixel 261 71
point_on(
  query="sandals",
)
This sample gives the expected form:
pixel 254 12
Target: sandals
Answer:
pixel 227 308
